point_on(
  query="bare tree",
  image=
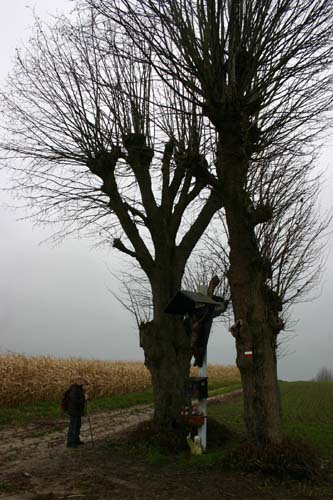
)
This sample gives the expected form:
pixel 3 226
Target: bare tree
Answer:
pixel 98 142
pixel 324 375
pixel 293 242
pixel 258 69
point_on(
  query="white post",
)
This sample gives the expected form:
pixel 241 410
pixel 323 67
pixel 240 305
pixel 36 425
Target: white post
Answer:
pixel 202 403
pixel 202 406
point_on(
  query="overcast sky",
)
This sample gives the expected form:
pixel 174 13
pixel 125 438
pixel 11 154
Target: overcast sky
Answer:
pixel 56 300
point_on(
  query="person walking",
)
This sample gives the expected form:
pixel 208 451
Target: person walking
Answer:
pixel 76 397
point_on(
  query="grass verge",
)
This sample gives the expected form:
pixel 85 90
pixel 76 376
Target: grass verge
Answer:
pixel 305 453
pixel 307 413
pixel 26 413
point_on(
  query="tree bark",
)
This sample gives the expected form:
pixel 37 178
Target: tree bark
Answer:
pixel 166 342
pixel 169 363
pixel 254 309
pixel 167 351
pixel 168 354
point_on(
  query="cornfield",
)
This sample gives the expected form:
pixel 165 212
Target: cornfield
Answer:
pixel 220 373
pixel 30 379
pixel 26 379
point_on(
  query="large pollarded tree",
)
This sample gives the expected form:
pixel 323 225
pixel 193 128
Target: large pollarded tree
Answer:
pixel 293 243
pixel 98 142
pixel 258 69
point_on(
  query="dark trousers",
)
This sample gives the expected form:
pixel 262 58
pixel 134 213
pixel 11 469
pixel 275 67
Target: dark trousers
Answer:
pixel 73 436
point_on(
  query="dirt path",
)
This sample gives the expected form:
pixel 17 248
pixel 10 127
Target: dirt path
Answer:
pixel 36 465
pixel 27 451
pixel 35 441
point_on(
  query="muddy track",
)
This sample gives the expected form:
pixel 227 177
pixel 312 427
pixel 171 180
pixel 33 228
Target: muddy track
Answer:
pixel 28 452
pixel 20 446
pixel 36 465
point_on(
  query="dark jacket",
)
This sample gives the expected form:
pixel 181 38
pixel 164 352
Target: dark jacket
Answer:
pixel 76 400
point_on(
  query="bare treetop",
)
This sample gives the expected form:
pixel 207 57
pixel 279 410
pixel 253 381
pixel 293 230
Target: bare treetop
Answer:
pixel 267 60
pixel 81 96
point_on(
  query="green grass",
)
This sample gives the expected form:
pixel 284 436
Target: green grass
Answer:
pixel 156 457
pixel 229 414
pixel 121 401
pixel 307 410
pixel 217 388
pixel 26 413
pixel 307 413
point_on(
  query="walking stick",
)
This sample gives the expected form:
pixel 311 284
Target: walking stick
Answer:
pixel 89 420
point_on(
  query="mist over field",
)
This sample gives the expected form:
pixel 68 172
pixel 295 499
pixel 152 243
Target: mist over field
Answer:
pixel 56 299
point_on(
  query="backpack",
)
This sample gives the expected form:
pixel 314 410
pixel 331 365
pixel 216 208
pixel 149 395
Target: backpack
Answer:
pixel 65 401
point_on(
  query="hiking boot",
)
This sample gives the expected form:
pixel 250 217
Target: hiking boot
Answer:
pixel 71 445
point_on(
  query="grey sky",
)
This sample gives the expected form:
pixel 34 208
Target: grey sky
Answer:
pixel 56 300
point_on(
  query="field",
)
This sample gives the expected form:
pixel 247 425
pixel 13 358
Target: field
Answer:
pixel 120 464
pixel 307 413
pixel 26 379
pixel 33 379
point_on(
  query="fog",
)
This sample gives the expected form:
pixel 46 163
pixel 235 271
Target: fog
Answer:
pixel 56 299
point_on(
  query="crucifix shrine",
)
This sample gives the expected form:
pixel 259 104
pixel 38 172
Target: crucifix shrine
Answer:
pixel 198 310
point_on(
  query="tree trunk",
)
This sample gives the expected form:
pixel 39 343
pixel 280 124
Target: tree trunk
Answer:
pixel 167 351
pixel 168 362
pixel 262 410
pixel 253 306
